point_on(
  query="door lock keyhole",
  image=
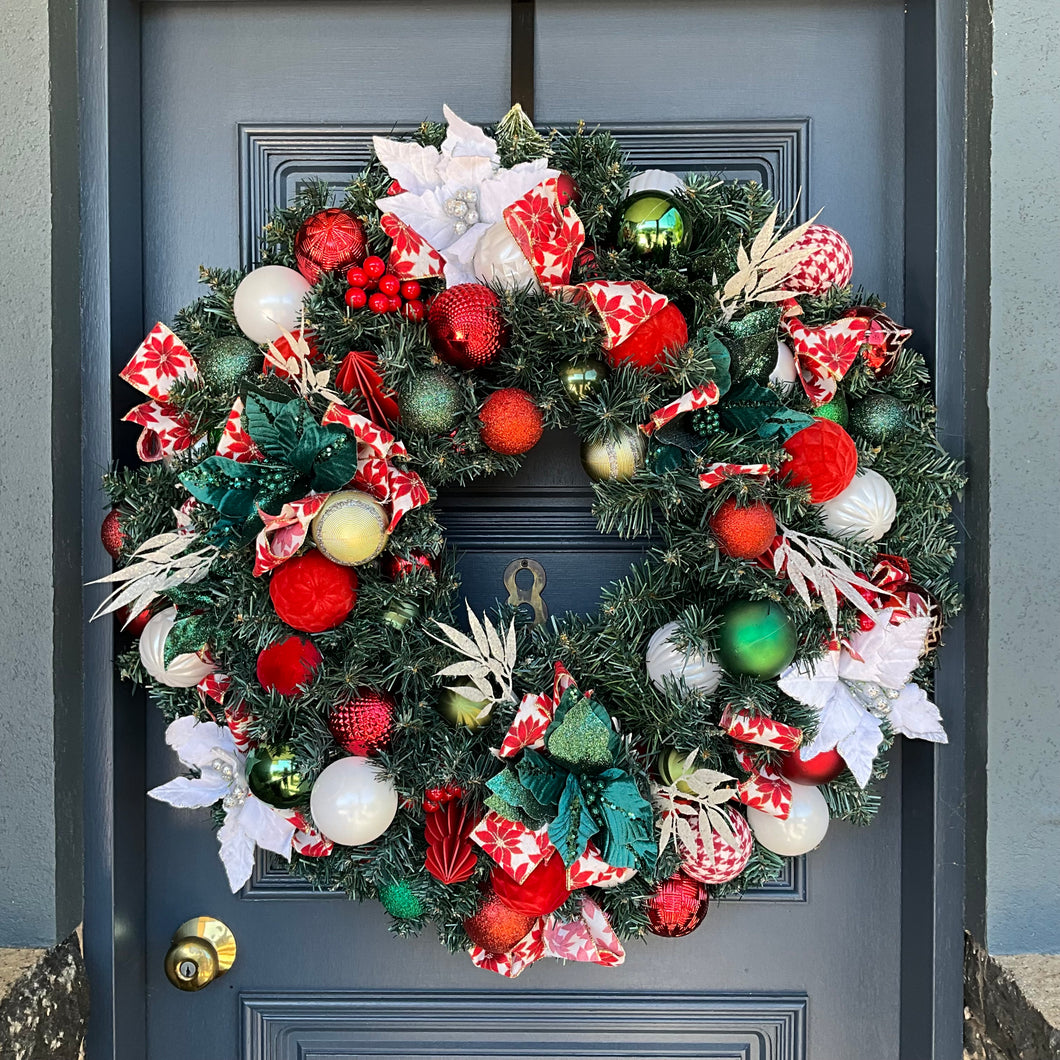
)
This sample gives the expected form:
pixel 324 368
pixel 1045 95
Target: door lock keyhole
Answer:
pixel 527 595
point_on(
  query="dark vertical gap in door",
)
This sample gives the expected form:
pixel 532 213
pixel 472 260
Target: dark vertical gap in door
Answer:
pixel 522 90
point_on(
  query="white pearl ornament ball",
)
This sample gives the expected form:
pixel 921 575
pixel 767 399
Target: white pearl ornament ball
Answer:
pixel 864 511
pixel 351 803
pixel 185 671
pixel 696 668
pixel 799 832
pixel 268 302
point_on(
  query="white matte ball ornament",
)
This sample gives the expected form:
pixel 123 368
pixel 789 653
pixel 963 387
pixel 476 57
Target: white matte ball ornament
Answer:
pixel 185 671
pixel 697 669
pixel 656 180
pixel 351 803
pixel 864 511
pixel 499 260
pixel 785 373
pixel 798 833
pixel 268 302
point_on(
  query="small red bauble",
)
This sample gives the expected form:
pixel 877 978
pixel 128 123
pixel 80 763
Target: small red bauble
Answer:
pixel 287 666
pixel 136 626
pixel 313 594
pixel 283 347
pixel 395 567
pixel 677 906
pixel 356 298
pixel 820 769
pixel 379 303
pixel 410 290
pixel 110 533
pixel 389 284
pixel 567 190
pixel 647 345
pixel 496 927
pixel 329 240
pixel 827 262
pixel 511 421
pixel 823 457
pixel 743 533
pixel 414 310
pixel 541 893
pixel 374 267
pixel 363 723
pixel 357 277
pixel 465 325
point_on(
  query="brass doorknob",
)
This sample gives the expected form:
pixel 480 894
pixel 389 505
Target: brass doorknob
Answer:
pixel 203 949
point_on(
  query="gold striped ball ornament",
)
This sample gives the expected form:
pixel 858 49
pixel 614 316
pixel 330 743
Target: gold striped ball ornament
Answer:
pixel 351 528
pixel 615 459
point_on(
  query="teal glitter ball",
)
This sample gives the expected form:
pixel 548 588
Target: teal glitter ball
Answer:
pixel 835 410
pixel 878 418
pixel 431 403
pixel 400 901
pixel 227 360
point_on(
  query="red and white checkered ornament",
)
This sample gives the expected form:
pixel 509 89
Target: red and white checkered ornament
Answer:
pixel 828 262
pixel 720 862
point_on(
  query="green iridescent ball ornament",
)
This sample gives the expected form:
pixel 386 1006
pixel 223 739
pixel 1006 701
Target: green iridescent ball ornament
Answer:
pixel 878 418
pixel 582 377
pixel 400 901
pixel 227 360
pixel 274 778
pixel 756 637
pixel 431 403
pixel 835 410
pixel 650 220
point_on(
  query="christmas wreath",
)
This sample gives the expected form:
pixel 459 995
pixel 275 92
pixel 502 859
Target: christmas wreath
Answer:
pixel 551 788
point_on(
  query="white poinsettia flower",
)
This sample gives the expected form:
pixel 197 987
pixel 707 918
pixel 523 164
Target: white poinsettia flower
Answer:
pixel 452 195
pixel 249 822
pixel 862 681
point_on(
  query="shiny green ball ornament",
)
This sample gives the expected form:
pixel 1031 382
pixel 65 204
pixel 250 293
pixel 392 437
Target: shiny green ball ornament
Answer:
pixel 835 410
pixel 431 403
pixel 400 901
pixel 582 377
pixel 227 360
pixel 460 711
pixel 650 220
pixel 878 418
pixel 273 777
pixel 756 637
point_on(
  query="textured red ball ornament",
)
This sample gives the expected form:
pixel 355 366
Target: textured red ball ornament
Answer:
pixel 823 457
pixel 313 594
pixel 363 723
pixel 711 859
pixel 511 422
pixel 744 533
pixel 496 927
pixel 110 533
pixel 327 241
pixel 820 769
pixel 827 262
pixel 466 327
pixel 541 893
pixel 287 666
pixel 677 906
pixel 647 345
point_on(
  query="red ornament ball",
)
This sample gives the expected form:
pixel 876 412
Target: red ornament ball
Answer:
pixel 819 769
pixel 327 241
pixel 465 326
pixel 414 310
pixel 389 284
pixel 541 893
pixel 744 533
pixel 827 262
pixel 511 422
pixel 395 567
pixel 647 345
pixel 136 626
pixel 823 457
pixel 677 906
pixel 379 303
pixel 363 723
pixel 410 290
pixel 110 533
pixel 567 190
pixel 287 666
pixel 312 594
pixel 496 927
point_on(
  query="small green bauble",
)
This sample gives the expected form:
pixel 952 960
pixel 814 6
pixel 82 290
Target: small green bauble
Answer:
pixel 835 410
pixel 757 638
pixel 273 777
pixel 671 766
pixel 400 901
pixel 459 711
pixel 649 220
pixel 878 417
pixel 431 403
pixel 227 360
pixel 582 377
pixel 400 613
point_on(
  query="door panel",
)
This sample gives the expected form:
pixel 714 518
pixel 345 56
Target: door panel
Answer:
pixel 241 102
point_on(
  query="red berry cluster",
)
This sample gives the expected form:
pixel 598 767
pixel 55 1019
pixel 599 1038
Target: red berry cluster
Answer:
pixel 435 798
pixel 371 285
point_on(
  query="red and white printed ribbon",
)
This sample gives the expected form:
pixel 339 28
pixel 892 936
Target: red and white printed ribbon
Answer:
pixel 764 789
pixel 698 398
pixel 716 474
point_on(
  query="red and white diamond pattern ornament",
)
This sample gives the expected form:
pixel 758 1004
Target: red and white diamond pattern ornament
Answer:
pixel 828 262
pixel 710 858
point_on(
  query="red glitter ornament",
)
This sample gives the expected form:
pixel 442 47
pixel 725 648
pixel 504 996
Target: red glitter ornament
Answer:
pixel 496 927
pixel 111 535
pixel 677 906
pixel 827 262
pixel 647 345
pixel 466 327
pixel 823 457
pixel 363 723
pixel 541 893
pixel 288 666
pixel 451 857
pixel 313 594
pixel 820 769
pixel 327 241
pixel 511 421
pixel 743 533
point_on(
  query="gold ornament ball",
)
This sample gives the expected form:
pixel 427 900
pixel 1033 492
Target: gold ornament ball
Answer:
pixel 459 710
pixel 351 528
pixel 582 377
pixel 615 459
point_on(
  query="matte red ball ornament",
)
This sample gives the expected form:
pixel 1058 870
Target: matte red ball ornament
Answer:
pixel 648 344
pixel 287 666
pixel 820 769
pixel 496 927
pixel 465 325
pixel 823 457
pixel 677 906
pixel 364 723
pixel 743 533
pixel 541 893
pixel 328 241
pixel 110 533
pixel 827 262
pixel 511 422
pixel 313 594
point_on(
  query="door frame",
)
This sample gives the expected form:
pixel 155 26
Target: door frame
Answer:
pixel 947 128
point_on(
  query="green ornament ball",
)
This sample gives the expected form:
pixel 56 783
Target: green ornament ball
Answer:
pixel 273 777
pixel 835 410
pixel 400 901
pixel 431 403
pixel 227 360
pixel 756 637
pixel 650 220
pixel 878 417
pixel 665 458
pixel 582 377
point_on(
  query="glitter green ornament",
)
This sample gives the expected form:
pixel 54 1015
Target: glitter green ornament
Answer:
pixel 227 360
pixel 752 343
pixel 431 402
pixel 835 410
pixel 400 901
pixel 878 418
